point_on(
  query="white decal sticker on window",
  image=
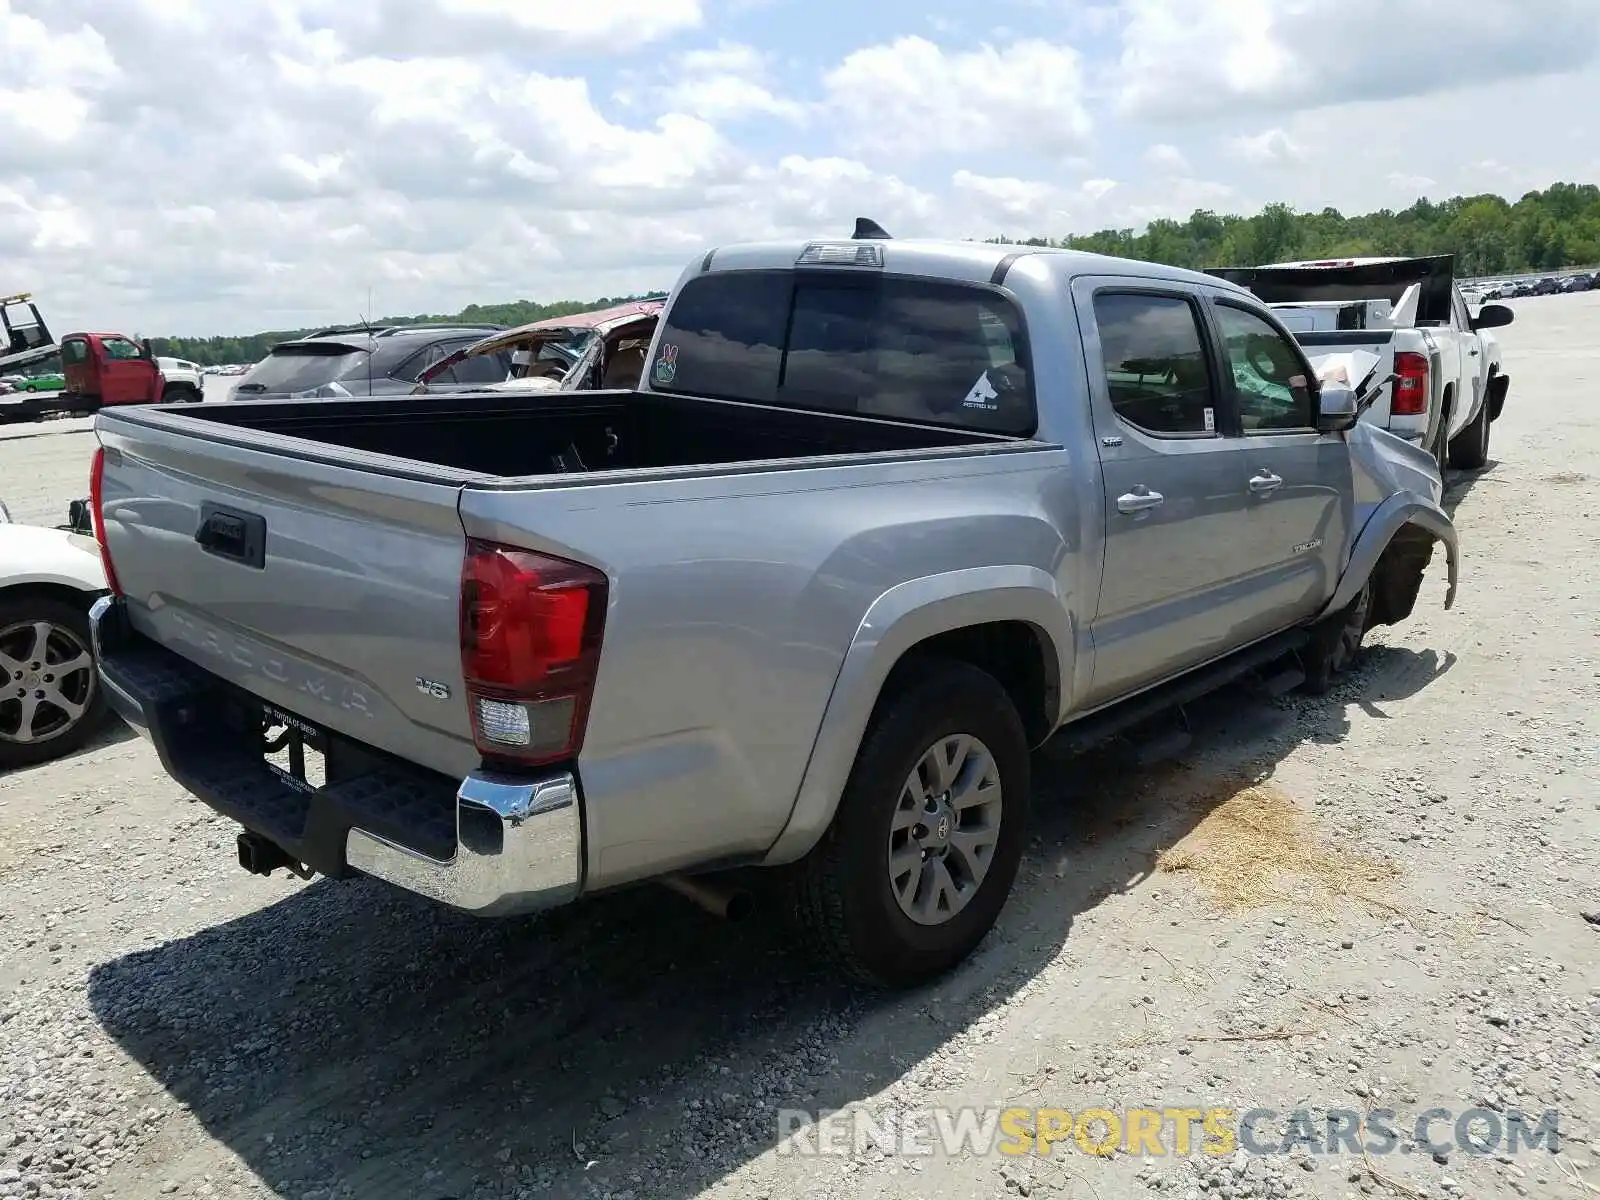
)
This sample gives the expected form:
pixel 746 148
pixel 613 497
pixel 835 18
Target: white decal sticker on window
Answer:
pixel 982 395
pixel 1211 420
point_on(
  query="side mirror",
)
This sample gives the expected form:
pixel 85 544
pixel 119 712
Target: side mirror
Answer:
pixel 1337 408
pixel 1493 316
pixel 146 351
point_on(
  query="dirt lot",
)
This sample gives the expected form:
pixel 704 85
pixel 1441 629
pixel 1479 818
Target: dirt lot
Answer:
pixel 1369 902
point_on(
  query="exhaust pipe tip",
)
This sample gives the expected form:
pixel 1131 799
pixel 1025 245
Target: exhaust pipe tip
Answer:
pixel 718 899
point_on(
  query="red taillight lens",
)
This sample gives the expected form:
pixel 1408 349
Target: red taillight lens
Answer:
pixel 530 648
pixel 97 481
pixel 1410 398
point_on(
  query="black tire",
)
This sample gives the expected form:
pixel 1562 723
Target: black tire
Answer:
pixel 180 394
pixel 1469 449
pixel 1441 439
pixel 1335 643
pixel 840 898
pixel 58 737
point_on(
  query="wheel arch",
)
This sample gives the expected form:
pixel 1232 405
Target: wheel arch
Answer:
pixel 1392 550
pixel 50 587
pixel 1008 620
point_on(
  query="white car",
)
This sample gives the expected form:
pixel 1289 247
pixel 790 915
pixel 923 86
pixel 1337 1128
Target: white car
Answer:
pixel 184 382
pixel 50 701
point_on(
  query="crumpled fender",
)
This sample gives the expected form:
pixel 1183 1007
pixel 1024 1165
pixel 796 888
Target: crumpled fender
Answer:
pixel 1399 510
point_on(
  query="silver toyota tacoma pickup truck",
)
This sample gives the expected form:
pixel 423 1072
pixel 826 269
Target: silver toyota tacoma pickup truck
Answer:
pixel 882 517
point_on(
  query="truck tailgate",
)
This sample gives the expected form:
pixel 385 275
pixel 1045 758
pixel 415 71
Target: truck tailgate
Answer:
pixel 328 589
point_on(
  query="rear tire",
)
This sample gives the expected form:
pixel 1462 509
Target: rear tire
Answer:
pixel 1441 440
pixel 180 394
pixel 924 848
pixel 1469 450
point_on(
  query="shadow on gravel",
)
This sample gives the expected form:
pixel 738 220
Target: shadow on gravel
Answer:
pixel 111 733
pixel 1460 484
pixel 354 1041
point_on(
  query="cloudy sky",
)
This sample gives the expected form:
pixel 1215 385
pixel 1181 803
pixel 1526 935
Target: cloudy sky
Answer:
pixel 223 166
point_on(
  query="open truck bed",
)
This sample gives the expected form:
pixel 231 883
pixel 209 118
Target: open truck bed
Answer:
pixel 513 436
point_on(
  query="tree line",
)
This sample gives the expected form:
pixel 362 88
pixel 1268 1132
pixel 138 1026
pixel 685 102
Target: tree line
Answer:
pixel 1489 235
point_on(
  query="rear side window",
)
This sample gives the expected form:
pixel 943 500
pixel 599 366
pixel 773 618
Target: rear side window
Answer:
pixel 906 349
pixel 481 368
pixel 74 351
pixel 1155 363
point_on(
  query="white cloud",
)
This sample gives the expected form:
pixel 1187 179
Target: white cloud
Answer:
pixel 191 166
pixel 1188 59
pixel 727 82
pixel 485 27
pixel 912 97
pixel 1168 158
pixel 1411 185
pixel 1271 148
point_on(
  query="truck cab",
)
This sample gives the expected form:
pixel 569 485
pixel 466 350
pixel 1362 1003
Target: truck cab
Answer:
pixel 104 369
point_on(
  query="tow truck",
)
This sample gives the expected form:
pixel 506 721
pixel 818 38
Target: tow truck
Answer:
pixel 98 369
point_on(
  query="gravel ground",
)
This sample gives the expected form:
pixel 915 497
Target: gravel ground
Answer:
pixel 1371 901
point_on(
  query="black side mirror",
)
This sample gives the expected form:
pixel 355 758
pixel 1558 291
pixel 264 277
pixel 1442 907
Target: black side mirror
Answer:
pixel 1493 316
pixel 146 351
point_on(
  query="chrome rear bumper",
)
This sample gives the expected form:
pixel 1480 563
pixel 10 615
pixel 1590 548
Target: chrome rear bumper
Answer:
pixel 519 848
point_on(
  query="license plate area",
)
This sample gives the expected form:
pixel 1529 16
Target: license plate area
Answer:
pixel 296 751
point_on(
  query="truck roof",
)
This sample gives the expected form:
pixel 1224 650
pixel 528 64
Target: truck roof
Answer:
pixel 976 262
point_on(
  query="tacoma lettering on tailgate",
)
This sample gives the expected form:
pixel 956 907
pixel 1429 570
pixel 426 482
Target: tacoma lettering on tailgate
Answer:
pixel 321 686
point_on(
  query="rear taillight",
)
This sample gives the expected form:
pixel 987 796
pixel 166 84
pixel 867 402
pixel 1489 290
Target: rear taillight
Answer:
pixel 1410 397
pixel 530 648
pixel 97 482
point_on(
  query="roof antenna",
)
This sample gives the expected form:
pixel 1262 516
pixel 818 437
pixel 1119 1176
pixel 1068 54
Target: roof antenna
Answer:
pixel 869 230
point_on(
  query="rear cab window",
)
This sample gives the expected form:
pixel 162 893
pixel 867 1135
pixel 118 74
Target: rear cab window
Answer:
pixel 897 347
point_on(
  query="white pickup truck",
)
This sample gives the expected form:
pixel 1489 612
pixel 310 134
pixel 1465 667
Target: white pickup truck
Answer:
pixel 1403 320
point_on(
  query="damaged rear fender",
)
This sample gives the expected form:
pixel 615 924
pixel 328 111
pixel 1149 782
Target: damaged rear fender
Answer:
pixel 1393 550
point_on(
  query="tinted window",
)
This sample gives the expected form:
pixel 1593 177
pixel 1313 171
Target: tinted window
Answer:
pixel 396 357
pixel 74 351
pixel 1269 376
pixel 725 337
pixel 907 349
pixel 1155 363
pixel 410 369
pixel 481 368
pixel 304 368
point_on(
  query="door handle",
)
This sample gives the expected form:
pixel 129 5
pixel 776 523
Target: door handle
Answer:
pixel 1141 499
pixel 1474 353
pixel 1266 481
